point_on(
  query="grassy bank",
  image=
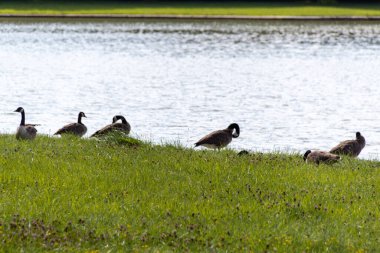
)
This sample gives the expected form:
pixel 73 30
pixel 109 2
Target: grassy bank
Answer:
pixel 244 9
pixel 71 194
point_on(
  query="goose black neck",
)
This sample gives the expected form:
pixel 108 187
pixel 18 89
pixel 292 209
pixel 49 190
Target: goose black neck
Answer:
pixel 80 118
pixel 117 117
pixel 361 140
pixel 22 118
pixel 123 120
pixel 306 154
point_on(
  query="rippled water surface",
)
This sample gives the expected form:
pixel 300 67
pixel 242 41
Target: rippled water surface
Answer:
pixel 290 86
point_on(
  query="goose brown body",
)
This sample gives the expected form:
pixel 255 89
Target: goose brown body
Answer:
pixel 25 131
pixel 123 127
pixel 220 138
pixel 320 157
pixel 350 147
pixel 77 128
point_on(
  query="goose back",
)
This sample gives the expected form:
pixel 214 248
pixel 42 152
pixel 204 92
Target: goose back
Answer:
pixel 318 157
pixel 217 139
pixel 123 127
pixel 120 127
pixel 350 147
pixel 74 129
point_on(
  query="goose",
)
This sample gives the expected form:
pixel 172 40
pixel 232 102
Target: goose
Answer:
pixel 78 128
pixel 350 147
pixel 243 152
pixel 220 138
pixel 25 131
pixel 123 127
pixel 320 157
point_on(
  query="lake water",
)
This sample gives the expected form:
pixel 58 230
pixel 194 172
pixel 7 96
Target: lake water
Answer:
pixel 291 86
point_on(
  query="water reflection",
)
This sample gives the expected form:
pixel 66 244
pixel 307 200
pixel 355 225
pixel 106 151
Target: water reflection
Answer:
pixel 289 85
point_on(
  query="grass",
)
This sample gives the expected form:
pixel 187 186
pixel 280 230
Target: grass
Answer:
pixel 244 9
pixel 116 195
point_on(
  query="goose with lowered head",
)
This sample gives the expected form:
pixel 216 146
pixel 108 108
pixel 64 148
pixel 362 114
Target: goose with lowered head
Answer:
pixel 220 138
pixel 123 127
pixel 318 157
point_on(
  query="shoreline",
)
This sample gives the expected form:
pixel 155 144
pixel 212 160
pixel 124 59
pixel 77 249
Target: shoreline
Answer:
pixel 195 17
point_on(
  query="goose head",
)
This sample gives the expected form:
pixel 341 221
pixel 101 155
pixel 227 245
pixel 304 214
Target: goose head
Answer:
pixel 306 154
pixel 360 138
pixel 80 115
pixel 117 117
pixel 20 109
pixel 237 129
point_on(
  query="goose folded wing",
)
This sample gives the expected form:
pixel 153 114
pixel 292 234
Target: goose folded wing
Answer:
pixel 30 129
pixel 70 128
pixel 217 138
pixel 104 130
pixel 345 147
pixel 327 157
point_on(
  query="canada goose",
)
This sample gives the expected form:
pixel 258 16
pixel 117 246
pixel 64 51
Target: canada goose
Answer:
pixel 220 138
pixel 320 157
pixel 243 152
pixel 350 147
pixel 78 128
pixel 123 127
pixel 25 131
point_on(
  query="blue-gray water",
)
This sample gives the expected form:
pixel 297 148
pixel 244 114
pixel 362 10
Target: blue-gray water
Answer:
pixel 290 86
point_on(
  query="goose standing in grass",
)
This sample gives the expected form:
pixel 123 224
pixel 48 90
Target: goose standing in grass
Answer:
pixel 220 138
pixel 350 147
pixel 123 127
pixel 25 131
pixel 77 128
pixel 320 157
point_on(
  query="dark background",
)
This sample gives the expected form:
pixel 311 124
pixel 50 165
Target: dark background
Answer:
pixel 327 2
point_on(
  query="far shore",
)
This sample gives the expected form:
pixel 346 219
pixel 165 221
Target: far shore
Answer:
pixel 196 17
pixel 191 10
